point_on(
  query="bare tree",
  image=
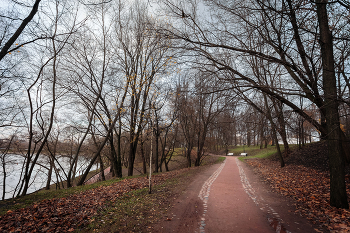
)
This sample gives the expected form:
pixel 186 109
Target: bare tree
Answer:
pixel 145 55
pixel 7 44
pixel 36 113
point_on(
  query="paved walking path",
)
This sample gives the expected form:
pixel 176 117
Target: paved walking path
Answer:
pixel 230 209
pixel 229 197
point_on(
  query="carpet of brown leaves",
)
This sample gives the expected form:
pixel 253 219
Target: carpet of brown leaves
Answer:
pixel 75 211
pixel 307 182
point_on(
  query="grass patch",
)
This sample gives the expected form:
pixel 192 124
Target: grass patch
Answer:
pixel 138 211
pixel 256 152
pixel 262 155
pixel 244 149
pixel 220 159
pixel 178 151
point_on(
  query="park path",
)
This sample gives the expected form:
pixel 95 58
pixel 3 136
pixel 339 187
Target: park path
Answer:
pixel 229 208
pixel 229 197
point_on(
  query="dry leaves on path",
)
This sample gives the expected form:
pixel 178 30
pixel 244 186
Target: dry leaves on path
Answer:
pixel 310 188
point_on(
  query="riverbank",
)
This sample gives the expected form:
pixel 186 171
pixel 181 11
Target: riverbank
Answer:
pixel 90 206
pixel 14 173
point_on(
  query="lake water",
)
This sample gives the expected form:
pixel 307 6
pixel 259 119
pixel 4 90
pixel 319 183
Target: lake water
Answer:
pixel 38 179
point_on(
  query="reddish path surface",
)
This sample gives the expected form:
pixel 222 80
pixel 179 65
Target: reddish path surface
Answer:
pixel 229 197
pixel 230 209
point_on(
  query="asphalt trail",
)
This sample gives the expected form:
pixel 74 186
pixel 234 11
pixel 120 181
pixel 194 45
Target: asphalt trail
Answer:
pixel 230 197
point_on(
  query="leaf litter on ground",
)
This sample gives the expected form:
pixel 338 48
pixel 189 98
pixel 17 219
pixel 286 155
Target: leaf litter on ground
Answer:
pixel 75 211
pixel 306 179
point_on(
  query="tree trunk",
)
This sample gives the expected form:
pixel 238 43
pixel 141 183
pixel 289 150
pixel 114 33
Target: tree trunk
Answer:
pixel 49 175
pixel 19 30
pixel 58 186
pixel 131 158
pixel 188 155
pixel 261 132
pixel 119 156
pixel 144 166
pixel 166 165
pixel 114 155
pixel 338 196
pixel 282 126
pixel 299 134
pixel 102 169
pixel 4 177
pixel 29 171
pixel 274 134
pixel 235 132
pixel 156 157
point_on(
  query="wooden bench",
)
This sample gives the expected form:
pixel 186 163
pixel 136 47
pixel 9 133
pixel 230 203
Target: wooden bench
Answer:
pixel 244 154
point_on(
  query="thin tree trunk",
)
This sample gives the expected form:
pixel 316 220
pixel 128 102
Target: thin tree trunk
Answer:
pixel 274 134
pixel 102 169
pixel 29 171
pixel 49 175
pixel 156 157
pixel 4 177
pixel 144 166
pixel 83 177
pixel 261 132
pixel 282 126
pixel 188 155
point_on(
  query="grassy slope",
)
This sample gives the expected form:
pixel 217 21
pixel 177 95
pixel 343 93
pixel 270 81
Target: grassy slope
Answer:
pixel 137 211
pixel 254 151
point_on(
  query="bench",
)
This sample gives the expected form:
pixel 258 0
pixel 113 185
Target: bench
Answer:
pixel 244 154
pixel 230 154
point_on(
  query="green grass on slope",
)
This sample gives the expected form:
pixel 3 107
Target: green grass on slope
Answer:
pixel 264 154
pixel 220 159
pixel 241 149
pixel 255 151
